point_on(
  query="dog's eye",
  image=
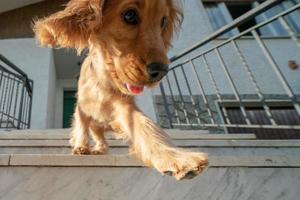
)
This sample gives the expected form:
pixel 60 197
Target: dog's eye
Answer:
pixel 131 17
pixel 163 22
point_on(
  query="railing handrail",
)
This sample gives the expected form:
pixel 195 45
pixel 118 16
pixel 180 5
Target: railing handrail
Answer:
pixel 24 77
pixel 240 20
pixel 11 73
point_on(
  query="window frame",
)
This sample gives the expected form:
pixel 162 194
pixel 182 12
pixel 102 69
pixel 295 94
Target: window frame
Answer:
pixel 274 34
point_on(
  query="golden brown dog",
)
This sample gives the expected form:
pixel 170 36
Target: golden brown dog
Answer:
pixel 128 42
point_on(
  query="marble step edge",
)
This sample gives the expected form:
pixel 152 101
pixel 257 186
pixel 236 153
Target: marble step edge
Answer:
pixel 68 130
pixel 181 143
pixel 128 161
pixel 64 135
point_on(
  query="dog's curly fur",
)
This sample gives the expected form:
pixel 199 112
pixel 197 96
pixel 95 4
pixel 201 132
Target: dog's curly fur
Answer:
pixel 118 55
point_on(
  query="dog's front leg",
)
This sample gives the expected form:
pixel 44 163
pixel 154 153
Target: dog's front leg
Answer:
pixel 149 143
pixel 79 134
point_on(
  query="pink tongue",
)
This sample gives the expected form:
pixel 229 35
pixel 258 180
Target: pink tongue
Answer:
pixel 135 89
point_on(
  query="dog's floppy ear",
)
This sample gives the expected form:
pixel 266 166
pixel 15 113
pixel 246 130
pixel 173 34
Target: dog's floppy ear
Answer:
pixel 174 23
pixel 72 27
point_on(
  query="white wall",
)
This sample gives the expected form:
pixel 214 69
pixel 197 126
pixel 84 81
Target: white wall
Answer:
pixel 38 64
pixel 51 92
pixel 145 103
pixel 194 28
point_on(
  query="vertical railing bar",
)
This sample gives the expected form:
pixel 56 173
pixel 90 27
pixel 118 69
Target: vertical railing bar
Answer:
pixel 181 97
pixel 21 106
pixel 191 95
pixel 30 106
pixel 203 93
pixel 10 96
pixel 13 96
pixel 1 76
pixel 166 104
pixel 254 83
pixel 278 72
pixel 1 95
pixel 2 92
pixel 25 108
pixel 6 102
pixel 173 100
pixel 290 31
pixel 214 83
pixel 234 89
pixel 5 88
pixel 16 101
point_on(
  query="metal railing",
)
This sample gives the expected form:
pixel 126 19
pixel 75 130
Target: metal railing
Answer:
pixel 15 96
pixel 219 83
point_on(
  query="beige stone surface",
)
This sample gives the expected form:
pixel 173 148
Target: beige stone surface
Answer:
pixel 70 160
pixel 126 160
pixel 40 167
pixel 183 143
pixel 216 151
pixel 108 183
pixel 4 160
pixel 64 134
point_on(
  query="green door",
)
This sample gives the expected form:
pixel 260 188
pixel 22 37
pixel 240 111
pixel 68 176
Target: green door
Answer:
pixel 68 109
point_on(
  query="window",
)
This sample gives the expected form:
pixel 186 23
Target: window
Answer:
pixel 238 9
pixel 282 112
pixel 181 112
pixel 221 13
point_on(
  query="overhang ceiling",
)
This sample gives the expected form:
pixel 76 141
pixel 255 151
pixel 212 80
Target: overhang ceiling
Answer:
pixel 6 5
pixel 67 63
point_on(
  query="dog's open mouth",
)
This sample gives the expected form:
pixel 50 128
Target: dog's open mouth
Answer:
pixel 134 89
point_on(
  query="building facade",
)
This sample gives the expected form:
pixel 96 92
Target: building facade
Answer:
pixel 55 72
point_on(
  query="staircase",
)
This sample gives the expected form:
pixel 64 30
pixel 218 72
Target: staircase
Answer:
pixel 37 165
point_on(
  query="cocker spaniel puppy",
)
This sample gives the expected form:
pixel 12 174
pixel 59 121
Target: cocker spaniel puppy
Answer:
pixel 128 42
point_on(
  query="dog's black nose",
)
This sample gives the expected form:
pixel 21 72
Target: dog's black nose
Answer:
pixel 157 71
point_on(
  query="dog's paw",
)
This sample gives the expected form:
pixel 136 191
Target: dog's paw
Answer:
pixel 100 149
pixel 186 166
pixel 97 152
pixel 81 151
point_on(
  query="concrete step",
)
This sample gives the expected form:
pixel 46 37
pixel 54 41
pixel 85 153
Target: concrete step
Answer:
pixel 65 177
pixel 180 143
pixel 218 151
pixel 215 147
pixel 128 161
pixel 63 134
pixel 56 142
pixel 37 165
